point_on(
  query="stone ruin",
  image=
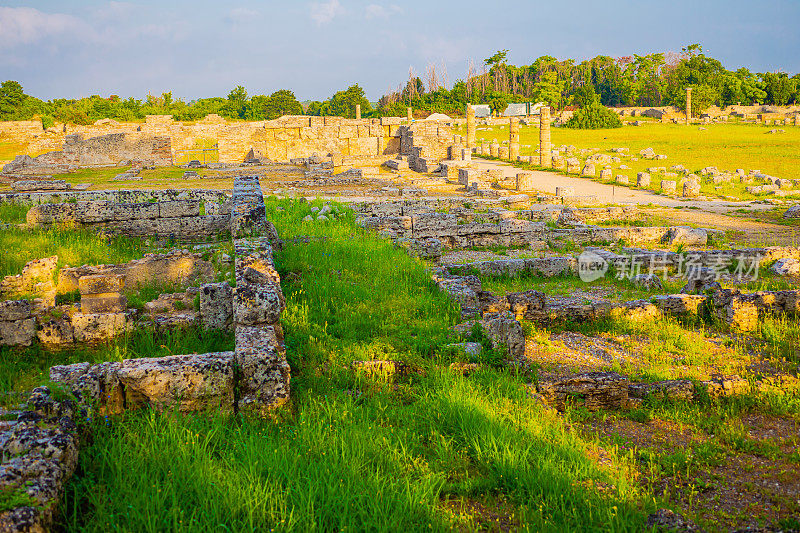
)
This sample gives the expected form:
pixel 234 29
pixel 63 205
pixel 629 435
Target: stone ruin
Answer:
pixel 40 448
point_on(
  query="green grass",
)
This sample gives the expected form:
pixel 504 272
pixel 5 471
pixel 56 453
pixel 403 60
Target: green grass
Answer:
pixel 350 452
pixel 74 247
pixel 11 213
pixel 613 288
pixel 386 459
pixel 23 368
pixel 354 296
pixel 726 146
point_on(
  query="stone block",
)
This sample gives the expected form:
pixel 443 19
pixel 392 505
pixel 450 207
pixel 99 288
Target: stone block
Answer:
pixel 216 305
pixel 525 181
pixel 264 374
pixel 17 332
pixel 55 332
pixel 94 212
pixel 98 327
pixel 643 179
pixel 503 329
pixel 669 186
pixel 138 211
pixel 101 283
pixel 14 310
pixel 106 303
pixel 179 208
pixel 592 390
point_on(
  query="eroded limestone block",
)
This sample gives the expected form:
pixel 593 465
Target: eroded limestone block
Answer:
pixel 216 305
pixel 103 303
pixel 503 329
pixel 17 332
pixel 524 305
pixel 101 283
pixel 687 236
pixel 55 332
pixel 39 454
pixel 191 382
pixel 678 389
pixel 98 326
pixel 264 373
pixel 592 390
pixel 14 310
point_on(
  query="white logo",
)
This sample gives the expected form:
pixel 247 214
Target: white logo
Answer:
pixel 591 266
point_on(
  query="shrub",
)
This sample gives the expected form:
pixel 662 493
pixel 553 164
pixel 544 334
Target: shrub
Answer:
pixel 594 117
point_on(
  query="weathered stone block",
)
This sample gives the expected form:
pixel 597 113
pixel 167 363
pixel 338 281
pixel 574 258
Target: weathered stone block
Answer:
pixel 17 332
pixel 107 303
pixel 14 310
pixel 216 305
pixel 592 390
pixel 179 208
pixel 98 327
pixel 101 283
pixel 264 374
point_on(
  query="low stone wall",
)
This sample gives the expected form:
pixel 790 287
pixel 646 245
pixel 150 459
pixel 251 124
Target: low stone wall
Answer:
pixel 39 453
pixel 104 150
pixel 257 304
pixel 121 196
pixel 180 219
pixel 192 382
pixel 17 325
pixel 178 267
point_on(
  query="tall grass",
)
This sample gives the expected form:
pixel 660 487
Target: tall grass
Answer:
pixel 23 368
pixel 74 247
pixel 351 295
pixel 380 461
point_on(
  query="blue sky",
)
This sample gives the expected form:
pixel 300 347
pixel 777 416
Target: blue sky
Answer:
pixel 198 48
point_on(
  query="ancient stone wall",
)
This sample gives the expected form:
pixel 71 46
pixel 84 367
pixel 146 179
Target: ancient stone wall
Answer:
pixel 130 196
pixel 180 219
pixel 106 150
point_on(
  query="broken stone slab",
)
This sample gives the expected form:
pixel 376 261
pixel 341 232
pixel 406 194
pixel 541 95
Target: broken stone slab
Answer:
pixel 591 390
pixel 55 332
pixel 679 304
pixel 786 267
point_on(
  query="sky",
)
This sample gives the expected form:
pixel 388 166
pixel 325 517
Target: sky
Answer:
pixel 196 49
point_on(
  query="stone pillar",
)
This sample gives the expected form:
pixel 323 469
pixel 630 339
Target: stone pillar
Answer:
pixel 494 149
pixel 358 111
pixel 513 138
pixel 525 181
pixel 409 115
pixel 545 154
pixel 470 126
pixel 688 105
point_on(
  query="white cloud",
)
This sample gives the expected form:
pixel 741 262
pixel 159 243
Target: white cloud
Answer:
pixel 375 11
pixel 239 15
pixel 324 12
pixel 26 25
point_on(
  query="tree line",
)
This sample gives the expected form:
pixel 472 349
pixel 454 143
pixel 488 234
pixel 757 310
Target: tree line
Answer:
pixel 650 80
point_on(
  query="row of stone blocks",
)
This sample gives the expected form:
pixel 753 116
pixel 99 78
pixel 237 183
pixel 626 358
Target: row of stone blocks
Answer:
pixel 130 196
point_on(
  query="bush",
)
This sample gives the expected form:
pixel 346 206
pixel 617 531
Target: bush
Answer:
pixel 594 117
pixel 47 121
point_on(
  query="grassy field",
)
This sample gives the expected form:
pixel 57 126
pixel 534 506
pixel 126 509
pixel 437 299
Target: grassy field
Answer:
pixel 725 146
pixel 430 449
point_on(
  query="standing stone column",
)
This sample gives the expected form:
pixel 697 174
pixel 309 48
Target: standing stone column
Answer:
pixel 688 105
pixel 409 115
pixel 545 154
pixel 358 111
pixel 513 138
pixel 470 126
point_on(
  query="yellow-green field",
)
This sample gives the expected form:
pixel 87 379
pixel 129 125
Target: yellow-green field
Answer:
pixel 725 146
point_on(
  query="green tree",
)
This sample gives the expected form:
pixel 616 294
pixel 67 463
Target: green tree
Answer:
pixel 236 106
pixel 11 98
pixel 585 96
pixel 343 103
pixel 779 87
